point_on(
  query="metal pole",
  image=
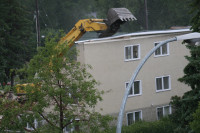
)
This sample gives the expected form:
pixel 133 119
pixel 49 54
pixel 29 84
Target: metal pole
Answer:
pixel 36 30
pixel 37 23
pixel 121 113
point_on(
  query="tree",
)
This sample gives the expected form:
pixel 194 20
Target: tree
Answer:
pixel 162 14
pixel 62 14
pixel 196 27
pixel 165 14
pixel 63 94
pixel 195 123
pixel 15 32
pixel 195 20
pixel 186 105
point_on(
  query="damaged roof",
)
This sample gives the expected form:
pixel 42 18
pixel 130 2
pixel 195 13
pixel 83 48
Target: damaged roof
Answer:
pixel 136 34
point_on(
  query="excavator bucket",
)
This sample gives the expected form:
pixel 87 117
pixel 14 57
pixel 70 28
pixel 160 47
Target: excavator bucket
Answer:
pixel 116 17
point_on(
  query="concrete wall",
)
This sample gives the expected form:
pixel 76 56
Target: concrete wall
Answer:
pixel 112 71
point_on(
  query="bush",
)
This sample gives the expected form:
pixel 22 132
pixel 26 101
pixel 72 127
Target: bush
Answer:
pixel 161 126
pixel 196 122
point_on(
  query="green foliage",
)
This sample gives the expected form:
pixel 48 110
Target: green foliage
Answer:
pixel 162 14
pixel 15 37
pixel 10 110
pixel 196 122
pixel 6 88
pixel 63 93
pixel 191 71
pixel 196 20
pixel 186 105
pixel 62 14
pixel 162 126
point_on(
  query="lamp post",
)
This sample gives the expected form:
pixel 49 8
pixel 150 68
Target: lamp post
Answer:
pixel 177 38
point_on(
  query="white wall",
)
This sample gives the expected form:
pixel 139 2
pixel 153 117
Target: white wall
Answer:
pixel 109 68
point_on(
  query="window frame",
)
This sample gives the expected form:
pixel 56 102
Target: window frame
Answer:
pixel 29 127
pixel 133 112
pixel 132 58
pixel 70 129
pixel 36 124
pixel 163 111
pixel 161 52
pixel 140 88
pixel 169 83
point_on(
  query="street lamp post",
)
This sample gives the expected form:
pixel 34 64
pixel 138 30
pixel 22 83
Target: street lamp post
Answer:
pixel 177 38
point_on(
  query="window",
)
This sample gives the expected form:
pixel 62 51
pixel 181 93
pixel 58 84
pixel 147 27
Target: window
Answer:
pixel 162 83
pixel 68 129
pixel 32 125
pixel 40 123
pixel 162 51
pixel 134 117
pixel 163 111
pixel 135 89
pixel 132 52
pixel 71 127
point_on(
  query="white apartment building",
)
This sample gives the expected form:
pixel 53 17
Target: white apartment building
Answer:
pixel 115 59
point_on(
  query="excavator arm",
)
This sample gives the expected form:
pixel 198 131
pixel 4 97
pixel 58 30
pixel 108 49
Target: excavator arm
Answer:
pixel 107 27
pixel 81 27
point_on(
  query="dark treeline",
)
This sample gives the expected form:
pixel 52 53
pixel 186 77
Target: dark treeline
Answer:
pixel 161 14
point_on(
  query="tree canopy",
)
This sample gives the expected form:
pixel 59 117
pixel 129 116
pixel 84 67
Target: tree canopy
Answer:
pixel 196 20
pixel 61 95
pixel 162 14
pixel 195 123
pixel 186 106
pixel 15 38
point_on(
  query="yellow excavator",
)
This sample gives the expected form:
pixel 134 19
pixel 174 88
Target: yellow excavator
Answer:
pixel 106 27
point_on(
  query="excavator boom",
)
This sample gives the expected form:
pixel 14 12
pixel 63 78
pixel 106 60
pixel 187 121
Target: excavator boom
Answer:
pixel 106 27
pixel 81 27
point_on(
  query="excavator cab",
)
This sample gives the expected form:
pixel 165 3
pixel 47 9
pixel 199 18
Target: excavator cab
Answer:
pixel 115 18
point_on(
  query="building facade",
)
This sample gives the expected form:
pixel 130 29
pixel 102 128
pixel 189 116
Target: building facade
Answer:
pixel 115 59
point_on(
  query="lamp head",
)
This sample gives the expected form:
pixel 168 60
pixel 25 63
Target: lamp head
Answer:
pixel 193 42
pixel 191 38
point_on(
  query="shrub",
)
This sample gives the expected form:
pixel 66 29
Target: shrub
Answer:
pixel 161 126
